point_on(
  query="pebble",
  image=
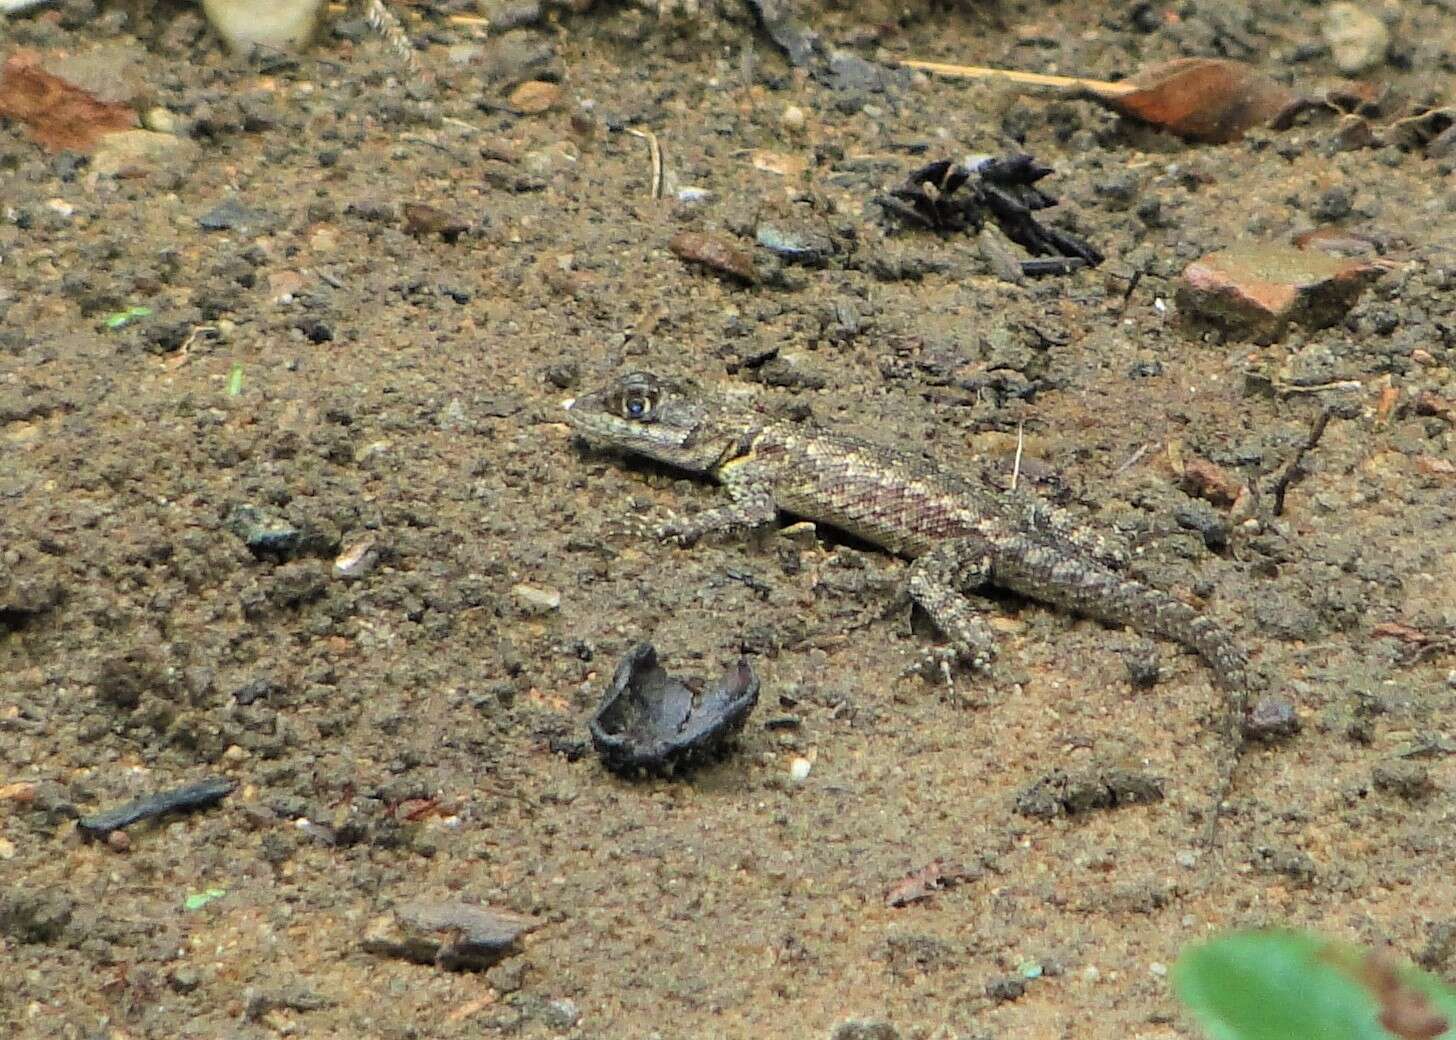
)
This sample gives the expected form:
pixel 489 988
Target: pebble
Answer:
pixel 505 15
pixel 507 977
pixel 268 535
pixel 865 1029
pixel 449 934
pixel 535 96
pixel 794 243
pixel 561 1015
pixel 357 559
pixel 537 600
pixel 517 56
pixel 113 73
pixel 161 120
pixel 22 792
pixel 1358 40
pixel 1257 291
pixel 793 369
pixel 232 215
pixel 1402 778
pixel 792 117
pixel 791 166
pixel 799 769
pixel 280 25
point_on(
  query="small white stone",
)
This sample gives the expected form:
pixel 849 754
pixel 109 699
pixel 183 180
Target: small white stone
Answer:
pixel 278 25
pixel 792 118
pixel 799 769
pixel 357 559
pixel 539 600
pixel 1358 40
pixel 1158 968
pixel 160 119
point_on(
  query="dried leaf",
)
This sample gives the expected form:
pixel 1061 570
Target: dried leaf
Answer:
pixel 1431 466
pixel 1397 630
pixel 534 97
pixel 1201 99
pixel 1211 481
pixel 919 884
pixel 778 163
pixel 421 220
pixel 1428 402
pixel 60 115
pixel 714 252
pixel 1383 407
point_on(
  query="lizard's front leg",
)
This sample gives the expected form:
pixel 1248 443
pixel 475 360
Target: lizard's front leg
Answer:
pixel 752 506
pixel 937 583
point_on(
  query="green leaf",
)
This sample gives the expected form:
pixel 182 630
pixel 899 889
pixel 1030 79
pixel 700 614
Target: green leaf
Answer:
pixel 126 317
pixel 197 900
pixel 235 379
pixel 1281 985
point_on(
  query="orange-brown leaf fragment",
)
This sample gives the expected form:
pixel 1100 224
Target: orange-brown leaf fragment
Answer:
pixel 714 252
pixel 1211 481
pixel 1405 1011
pixel 1397 630
pixel 1201 99
pixel 919 884
pixel 1428 402
pixel 60 115
pixel 1432 466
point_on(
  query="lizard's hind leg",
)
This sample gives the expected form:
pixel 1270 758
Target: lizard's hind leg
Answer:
pixel 938 582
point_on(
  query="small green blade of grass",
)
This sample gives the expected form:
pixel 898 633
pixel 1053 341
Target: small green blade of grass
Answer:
pixel 126 317
pixel 235 379
pixel 1283 985
pixel 197 900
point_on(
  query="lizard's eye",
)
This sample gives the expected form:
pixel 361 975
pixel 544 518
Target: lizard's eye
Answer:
pixel 636 406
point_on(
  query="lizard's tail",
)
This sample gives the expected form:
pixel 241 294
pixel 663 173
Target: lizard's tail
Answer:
pixel 1083 586
pixel 1079 584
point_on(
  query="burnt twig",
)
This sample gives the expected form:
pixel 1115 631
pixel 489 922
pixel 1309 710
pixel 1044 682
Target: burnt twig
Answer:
pixel 1281 485
pixel 953 197
pixel 182 799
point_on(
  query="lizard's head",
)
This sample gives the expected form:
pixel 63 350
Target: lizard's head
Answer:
pixel 645 415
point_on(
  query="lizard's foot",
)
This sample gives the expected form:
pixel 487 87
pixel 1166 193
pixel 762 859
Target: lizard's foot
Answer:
pixel 676 530
pixel 938 662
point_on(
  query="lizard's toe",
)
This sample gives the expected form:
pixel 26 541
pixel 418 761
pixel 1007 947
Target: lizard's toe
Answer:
pixel 674 531
pixel 937 663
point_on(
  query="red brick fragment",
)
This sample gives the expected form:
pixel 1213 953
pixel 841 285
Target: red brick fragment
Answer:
pixel 1256 292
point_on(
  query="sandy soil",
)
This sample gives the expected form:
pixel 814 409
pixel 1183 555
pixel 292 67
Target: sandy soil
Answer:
pixel 417 729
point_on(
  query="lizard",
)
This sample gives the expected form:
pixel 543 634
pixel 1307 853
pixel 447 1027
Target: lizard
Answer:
pixel 958 533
